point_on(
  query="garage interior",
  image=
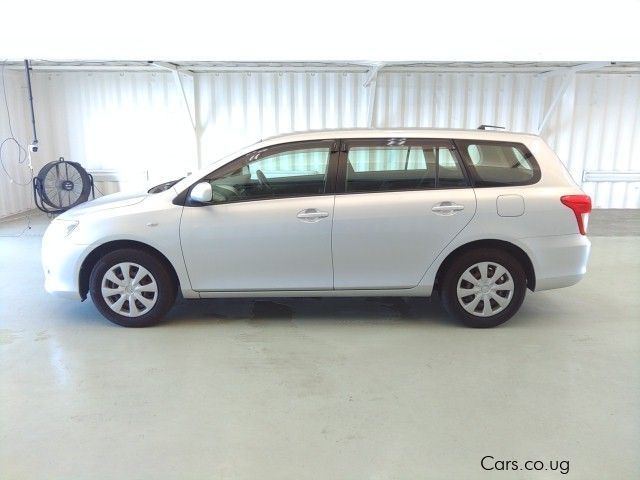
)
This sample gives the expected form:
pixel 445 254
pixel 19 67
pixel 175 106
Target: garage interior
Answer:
pixel 340 387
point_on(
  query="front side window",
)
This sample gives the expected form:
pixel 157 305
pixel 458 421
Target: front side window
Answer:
pixel 383 168
pixel 501 164
pixel 264 175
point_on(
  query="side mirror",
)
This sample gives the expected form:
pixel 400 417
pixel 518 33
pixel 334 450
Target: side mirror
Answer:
pixel 201 193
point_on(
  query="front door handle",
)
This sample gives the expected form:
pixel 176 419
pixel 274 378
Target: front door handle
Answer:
pixel 447 208
pixel 311 215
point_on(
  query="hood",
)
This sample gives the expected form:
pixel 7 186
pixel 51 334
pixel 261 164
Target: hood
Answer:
pixel 107 202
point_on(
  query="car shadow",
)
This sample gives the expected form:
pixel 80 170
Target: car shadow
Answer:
pixel 366 310
pixel 539 309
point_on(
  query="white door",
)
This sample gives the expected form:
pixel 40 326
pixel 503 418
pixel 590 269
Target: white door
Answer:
pixel 402 202
pixel 269 225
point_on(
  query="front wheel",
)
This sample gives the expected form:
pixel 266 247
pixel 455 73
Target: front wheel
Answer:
pixel 484 288
pixel 132 288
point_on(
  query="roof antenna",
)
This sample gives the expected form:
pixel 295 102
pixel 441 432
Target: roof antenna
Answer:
pixel 484 127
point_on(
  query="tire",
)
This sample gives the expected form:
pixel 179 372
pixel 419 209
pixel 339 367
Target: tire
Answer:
pixel 490 300
pixel 152 295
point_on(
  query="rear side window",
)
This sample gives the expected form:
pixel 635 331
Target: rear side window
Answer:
pixel 493 164
pixel 385 168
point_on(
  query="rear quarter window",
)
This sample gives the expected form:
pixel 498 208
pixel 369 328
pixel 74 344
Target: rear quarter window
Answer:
pixel 494 164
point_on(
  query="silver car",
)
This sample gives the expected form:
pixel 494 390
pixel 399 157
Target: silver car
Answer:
pixel 478 216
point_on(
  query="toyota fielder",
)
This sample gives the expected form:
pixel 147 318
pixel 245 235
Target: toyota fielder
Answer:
pixel 477 216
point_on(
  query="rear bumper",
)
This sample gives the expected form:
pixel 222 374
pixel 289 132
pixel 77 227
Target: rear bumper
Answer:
pixel 559 261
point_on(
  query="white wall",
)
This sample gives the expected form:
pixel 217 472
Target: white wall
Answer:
pixel 15 183
pixel 236 109
pixel 134 126
pixel 596 127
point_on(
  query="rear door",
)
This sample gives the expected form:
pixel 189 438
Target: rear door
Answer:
pixel 399 202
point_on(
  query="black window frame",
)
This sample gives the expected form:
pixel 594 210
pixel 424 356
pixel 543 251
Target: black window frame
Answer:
pixel 462 146
pixel 241 161
pixel 346 143
pixel 335 183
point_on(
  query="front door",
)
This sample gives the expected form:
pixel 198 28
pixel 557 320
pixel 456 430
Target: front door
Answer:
pixel 399 202
pixel 269 224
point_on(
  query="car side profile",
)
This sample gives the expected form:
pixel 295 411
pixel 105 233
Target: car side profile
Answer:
pixel 477 216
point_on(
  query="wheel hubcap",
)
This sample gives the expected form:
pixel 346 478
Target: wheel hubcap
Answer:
pixel 485 289
pixel 129 289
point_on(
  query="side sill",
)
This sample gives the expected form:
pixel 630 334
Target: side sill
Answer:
pixel 419 291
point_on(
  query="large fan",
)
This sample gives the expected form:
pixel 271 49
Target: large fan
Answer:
pixel 61 185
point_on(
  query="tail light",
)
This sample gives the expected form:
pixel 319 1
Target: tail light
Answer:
pixel 581 206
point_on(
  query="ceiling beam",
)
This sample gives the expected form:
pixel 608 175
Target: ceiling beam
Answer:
pixel 370 84
pixel 556 100
pixel 174 68
pixel 177 75
pixel 372 74
pixel 542 70
pixel 589 66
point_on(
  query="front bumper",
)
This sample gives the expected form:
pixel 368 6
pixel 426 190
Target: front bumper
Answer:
pixel 559 261
pixel 61 261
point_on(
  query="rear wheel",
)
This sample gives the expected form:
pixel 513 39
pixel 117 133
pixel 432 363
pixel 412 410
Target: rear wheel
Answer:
pixel 484 287
pixel 132 288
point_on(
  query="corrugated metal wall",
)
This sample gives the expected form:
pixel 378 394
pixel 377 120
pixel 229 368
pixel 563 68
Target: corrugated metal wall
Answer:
pixel 596 127
pixel 458 100
pixel 237 109
pixel 126 128
pixel 134 125
pixel 15 177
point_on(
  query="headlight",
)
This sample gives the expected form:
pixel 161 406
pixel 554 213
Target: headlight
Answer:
pixel 64 227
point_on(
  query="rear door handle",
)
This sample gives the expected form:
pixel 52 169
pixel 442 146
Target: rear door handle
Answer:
pixel 447 208
pixel 311 215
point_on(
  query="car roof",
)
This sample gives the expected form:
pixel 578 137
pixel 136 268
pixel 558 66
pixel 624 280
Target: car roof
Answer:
pixel 398 132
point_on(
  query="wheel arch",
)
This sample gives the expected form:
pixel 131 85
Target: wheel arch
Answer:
pixel 513 249
pixel 92 258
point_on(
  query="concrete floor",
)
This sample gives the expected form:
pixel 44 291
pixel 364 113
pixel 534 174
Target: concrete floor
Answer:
pixel 320 389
